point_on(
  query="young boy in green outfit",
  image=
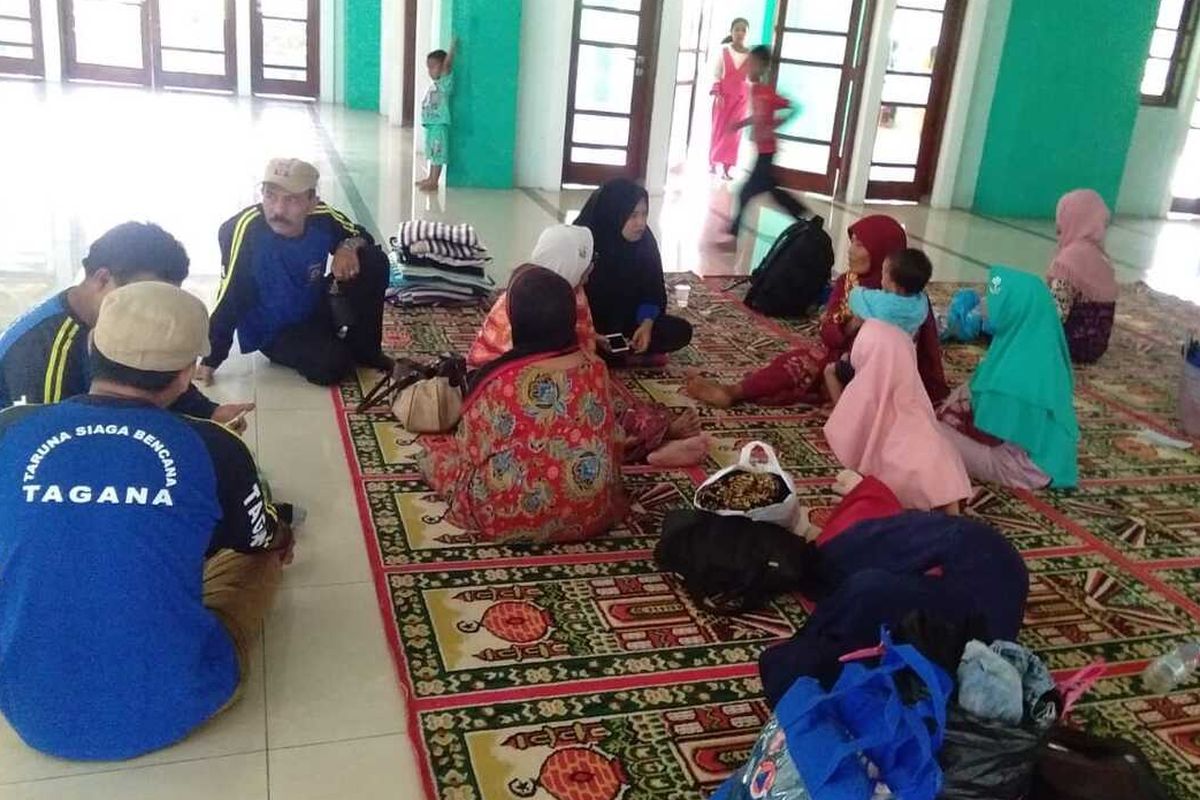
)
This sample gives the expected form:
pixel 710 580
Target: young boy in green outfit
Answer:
pixel 435 115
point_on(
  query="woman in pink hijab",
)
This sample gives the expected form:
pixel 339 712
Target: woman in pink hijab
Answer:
pixel 884 425
pixel 1081 277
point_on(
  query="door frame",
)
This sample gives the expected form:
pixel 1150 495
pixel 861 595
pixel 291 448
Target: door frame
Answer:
pixel 850 93
pixel 703 20
pixel 195 80
pixel 940 85
pixel 409 56
pixel 640 108
pixel 35 66
pixel 311 86
pixel 75 71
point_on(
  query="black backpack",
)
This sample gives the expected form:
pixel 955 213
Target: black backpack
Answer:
pixel 793 274
pixel 733 564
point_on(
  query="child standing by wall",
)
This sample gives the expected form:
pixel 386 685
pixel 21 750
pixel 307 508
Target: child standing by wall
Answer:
pixel 765 103
pixel 435 115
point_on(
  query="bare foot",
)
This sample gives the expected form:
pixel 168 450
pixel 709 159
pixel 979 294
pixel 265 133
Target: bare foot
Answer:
pixel 709 392
pixel 426 186
pixel 729 245
pixel 681 452
pixel 684 426
pixel 421 182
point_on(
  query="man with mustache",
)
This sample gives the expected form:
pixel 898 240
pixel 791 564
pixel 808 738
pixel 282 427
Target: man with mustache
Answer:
pixel 277 292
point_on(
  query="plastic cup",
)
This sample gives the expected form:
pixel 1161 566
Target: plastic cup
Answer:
pixel 682 293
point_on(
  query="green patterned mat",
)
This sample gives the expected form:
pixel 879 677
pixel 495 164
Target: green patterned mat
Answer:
pixel 580 672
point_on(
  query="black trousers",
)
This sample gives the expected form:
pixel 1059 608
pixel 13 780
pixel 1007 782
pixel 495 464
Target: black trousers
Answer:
pixel 762 180
pixel 669 334
pixel 313 347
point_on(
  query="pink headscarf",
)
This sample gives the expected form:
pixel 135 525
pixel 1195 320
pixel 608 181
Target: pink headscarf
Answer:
pixel 884 424
pixel 1080 259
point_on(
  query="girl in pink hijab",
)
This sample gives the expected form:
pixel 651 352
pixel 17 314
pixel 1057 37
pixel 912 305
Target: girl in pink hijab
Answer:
pixel 1081 277
pixel 884 426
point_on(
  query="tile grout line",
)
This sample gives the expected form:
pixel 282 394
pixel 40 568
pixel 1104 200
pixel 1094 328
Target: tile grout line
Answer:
pixel 330 585
pixel 936 246
pixel 357 203
pixel 1047 237
pixel 118 767
pixel 266 709
pixel 536 196
pixel 322 743
pixel 265 751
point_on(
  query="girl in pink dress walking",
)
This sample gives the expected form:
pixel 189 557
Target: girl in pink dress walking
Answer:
pixel 729 92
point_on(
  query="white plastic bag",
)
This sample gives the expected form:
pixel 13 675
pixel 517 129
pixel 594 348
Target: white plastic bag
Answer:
pixel 782 513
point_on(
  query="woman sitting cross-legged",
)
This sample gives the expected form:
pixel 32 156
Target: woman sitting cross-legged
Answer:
pixel 652 432
pixel 626 291
pixel 797 376
pixel 884 424
pixel 536 457
pixel 1014 424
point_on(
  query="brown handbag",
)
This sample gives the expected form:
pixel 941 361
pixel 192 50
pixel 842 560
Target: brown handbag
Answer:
pixel 405 372
pixel 433 405
pixel 423 399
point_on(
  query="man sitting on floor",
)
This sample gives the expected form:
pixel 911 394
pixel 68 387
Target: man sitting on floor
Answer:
pixel 43 355
pixel 275 292
pixel 139 552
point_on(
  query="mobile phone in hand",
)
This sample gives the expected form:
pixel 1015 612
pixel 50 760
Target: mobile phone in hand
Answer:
pixel 617 343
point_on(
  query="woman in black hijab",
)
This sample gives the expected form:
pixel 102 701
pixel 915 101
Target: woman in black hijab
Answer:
pixel 626 292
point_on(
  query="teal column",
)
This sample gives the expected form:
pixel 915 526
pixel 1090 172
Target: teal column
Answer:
pixel 483 127
pixel 361 46
pixel 1065 105
pixel 768 26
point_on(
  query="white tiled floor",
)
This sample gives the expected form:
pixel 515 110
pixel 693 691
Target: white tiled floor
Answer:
pixel 323 716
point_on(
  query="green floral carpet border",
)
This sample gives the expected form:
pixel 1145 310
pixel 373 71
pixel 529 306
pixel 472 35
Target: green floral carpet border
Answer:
pixel 580 672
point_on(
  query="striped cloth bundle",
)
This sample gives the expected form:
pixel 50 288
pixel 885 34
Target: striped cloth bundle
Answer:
pixel 437 263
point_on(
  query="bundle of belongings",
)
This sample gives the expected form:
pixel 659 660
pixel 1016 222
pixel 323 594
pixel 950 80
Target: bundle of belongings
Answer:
pixel 437 263
pixel 905 681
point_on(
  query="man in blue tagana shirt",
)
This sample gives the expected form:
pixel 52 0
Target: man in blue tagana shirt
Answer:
pixel 139 550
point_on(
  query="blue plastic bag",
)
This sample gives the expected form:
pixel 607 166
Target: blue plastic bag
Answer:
pixel 825 736
pixel 965 321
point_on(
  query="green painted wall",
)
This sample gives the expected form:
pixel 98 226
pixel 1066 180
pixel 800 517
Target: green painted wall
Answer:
pixel 445 24
pixel 484 107
pixel 1065 104
pixel 361 48
pixel 768 25
pixel 991 48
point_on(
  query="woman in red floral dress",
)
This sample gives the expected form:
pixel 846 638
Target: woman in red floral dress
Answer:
pixel 536 457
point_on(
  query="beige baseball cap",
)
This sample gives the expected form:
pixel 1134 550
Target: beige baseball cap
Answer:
pixel 292 175
pixel 152 326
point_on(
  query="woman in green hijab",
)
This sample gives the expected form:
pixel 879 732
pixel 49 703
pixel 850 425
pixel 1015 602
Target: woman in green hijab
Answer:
pixel 1014 423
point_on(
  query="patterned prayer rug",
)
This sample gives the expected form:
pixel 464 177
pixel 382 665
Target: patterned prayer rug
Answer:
pixel 581 672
